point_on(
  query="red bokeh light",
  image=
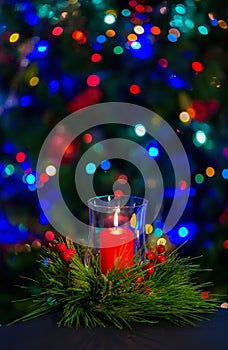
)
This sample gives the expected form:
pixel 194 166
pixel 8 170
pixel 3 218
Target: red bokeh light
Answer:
pixel 134 89
pixel 140 8
pixel 93 80
pixel 88 138
pixel 225 244
pixel 132 3
pixel 77 35
pixel 96 57
pixel 122 179
pixel 163 62
pixel 197 66
pixel 44 177
pixel 57 31
pixel 20 157
pixel 85 98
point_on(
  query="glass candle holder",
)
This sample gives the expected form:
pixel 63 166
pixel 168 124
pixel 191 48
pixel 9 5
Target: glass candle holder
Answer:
pixel 117 230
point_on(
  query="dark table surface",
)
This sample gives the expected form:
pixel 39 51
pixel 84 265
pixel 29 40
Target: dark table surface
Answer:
pixel 43 334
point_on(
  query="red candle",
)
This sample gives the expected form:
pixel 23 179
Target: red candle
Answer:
pixel 116 247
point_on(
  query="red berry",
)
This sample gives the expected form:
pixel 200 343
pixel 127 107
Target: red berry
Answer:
pixel 150 255
pixel 147 290
pixel 60 247
pixel 160 248
pixel 161 258
pixel 71 252
pixel 66 257
pixel 138 279
pixel 204 295
pixel 68 254
pixel 149 268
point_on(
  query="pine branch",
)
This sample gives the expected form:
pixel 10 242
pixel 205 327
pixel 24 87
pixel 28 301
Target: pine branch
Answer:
pixel 87 297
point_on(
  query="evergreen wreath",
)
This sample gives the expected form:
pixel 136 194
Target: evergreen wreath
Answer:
pixel 160 287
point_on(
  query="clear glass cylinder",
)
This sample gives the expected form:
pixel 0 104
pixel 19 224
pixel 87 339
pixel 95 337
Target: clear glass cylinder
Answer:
pixel 117 230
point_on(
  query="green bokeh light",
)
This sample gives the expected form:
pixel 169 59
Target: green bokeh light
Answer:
pixel 199 179
pixel 9 170
pixel 118 50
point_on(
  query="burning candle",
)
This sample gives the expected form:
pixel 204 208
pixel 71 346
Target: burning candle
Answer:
pixel 122 220
pixel 116 246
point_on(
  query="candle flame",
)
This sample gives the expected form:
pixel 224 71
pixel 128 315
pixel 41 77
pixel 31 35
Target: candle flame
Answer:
pixel 116 219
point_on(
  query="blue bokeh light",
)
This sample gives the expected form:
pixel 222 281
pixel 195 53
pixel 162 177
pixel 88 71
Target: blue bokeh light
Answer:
pixel 25 165
pixel 225 174
pixel 43 219
pixel 25 101
pixel 153 152
pixel 30 179
pixel 105 165
pixel 101 39
pixel 40 50
pixel 183 232
pixel 97 46
pixel 31 18
pixel 8 148
pixel 142 49
pixel 172 37
pixel 177 82
pixel 53 86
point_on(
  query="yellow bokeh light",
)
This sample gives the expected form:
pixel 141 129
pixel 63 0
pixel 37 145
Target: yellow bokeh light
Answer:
pixel 50 170
pixel 64 15
pixel 138 29
pixel 156 121
pixel 149 229
pixel 14 37
pixel 111 12
pixel 132 37
pixel 110 33
pixel 184 117
pixel 211 15
pixel 210 171
pixel 161 241
pixel 34 81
